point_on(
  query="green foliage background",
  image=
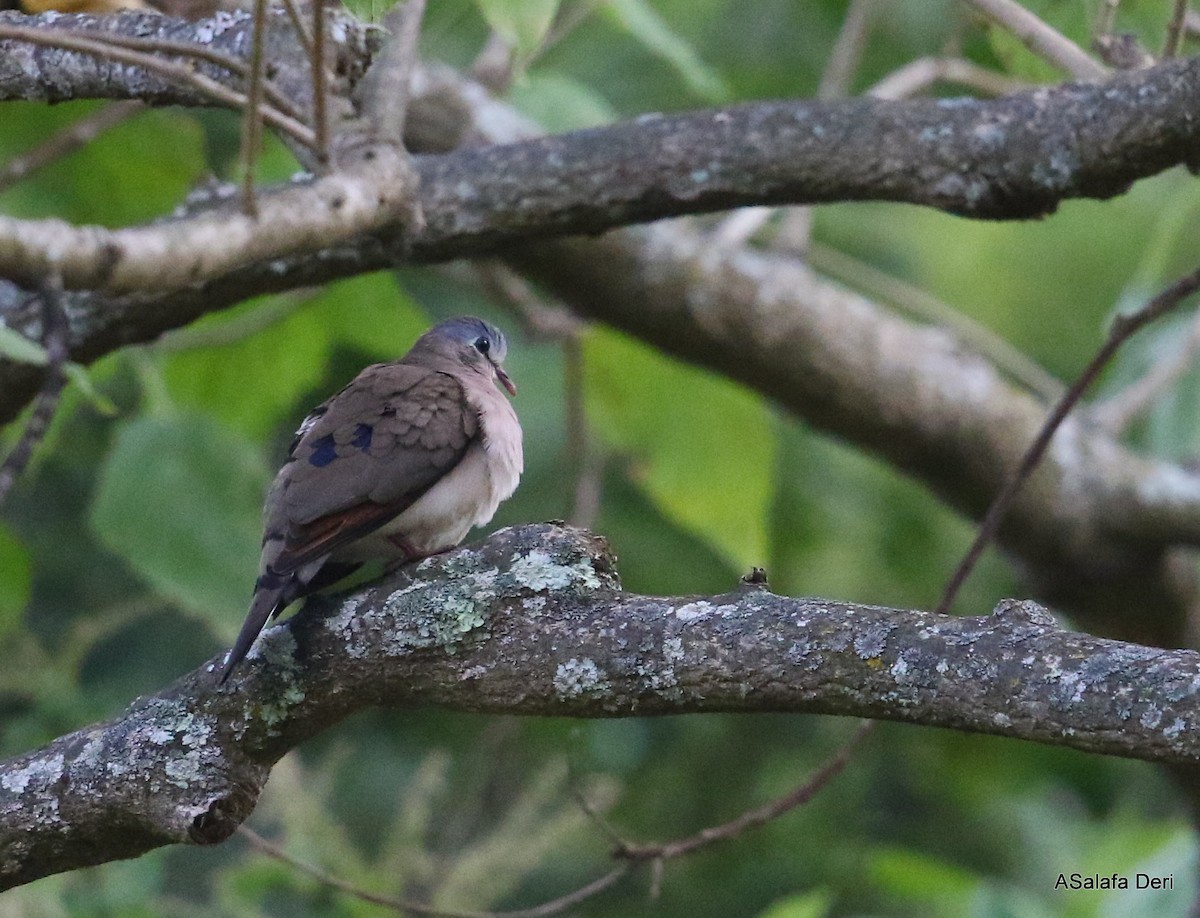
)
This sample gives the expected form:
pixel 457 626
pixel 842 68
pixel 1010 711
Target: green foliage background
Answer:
pixel 128 551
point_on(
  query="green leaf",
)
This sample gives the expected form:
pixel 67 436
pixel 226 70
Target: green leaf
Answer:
pixel 643 23
pixel 79 375
pixel 257 360
pixel 15 579
pixel 807 905
pixel 559 103
pixel 912 875
pixel 703 447
pixel 523 24
pixel 179 500
pixel 138 170
pixel 16 346
pixel 250 380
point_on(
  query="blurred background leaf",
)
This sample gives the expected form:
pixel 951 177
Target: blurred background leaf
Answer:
pixel 129 547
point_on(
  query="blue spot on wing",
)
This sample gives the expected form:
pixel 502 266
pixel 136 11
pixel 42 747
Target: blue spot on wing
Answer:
pixel 362 436
pixel 324 452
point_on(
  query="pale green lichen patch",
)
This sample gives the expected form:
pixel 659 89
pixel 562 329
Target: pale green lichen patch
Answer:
pixel 276 711
pixel 537 570
pixel 185 770
pixel 577 677
pixel 41 773
pixel 167 724
pixel 440 614
pixel 277 646
pixel 346 624
pixel 702 609
pixel 1177 727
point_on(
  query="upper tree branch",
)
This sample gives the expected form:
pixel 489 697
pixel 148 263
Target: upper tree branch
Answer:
pixel 1093 526
pixel 534 622
pixel 1014 157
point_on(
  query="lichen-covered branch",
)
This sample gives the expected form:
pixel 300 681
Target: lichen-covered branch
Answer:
pixel 534 621
pixel 1094 527
pixel 1014 157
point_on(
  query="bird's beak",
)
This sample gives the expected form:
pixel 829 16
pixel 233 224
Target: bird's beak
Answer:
pixel 507 383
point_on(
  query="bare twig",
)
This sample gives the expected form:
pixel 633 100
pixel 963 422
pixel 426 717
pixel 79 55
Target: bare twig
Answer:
pixel 494 65
pixel 627 853
pixel 847 51
pixel 300 25
pixel 390 77
pixel 1042 39
pixel 919 75
pixel 191 50
pixel 1123 328
pixel 54 340
pixel 552 907
pixel 1116 413
pixel 1175 29
pixel 320 82
pixel 739 228
pixel 252 119
pixel 91 44
pixel 752 819
pixel 67 141
pixel 1105 19
pixel 587 463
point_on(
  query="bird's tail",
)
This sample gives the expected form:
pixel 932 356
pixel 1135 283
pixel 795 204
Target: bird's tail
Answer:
pixel 270 596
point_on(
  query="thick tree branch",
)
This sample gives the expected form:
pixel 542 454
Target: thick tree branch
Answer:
pixel 1014 157
pixel 1093 526
pixel 533 621
pixel 479 201
pixel 41 73
pixel 372 191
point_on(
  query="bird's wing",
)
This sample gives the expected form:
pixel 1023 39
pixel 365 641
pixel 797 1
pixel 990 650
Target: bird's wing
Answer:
pixel 366 455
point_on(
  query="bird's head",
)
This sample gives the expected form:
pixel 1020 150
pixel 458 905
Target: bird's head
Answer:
pixel 472 342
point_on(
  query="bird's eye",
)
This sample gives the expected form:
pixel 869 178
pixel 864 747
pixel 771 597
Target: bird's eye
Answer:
pixel 483 345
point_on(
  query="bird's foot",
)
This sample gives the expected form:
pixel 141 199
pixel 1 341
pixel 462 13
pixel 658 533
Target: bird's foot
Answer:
pixel 409 554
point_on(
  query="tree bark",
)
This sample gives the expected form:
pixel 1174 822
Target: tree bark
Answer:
pixel 533 621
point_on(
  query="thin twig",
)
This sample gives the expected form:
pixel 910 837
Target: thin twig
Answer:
pixel 926 72
pixel 320 83
pixel 737 229
pixel 1106 19
pixel 252 120
pixel 301 27
pixel 551 907
pixel 72 41
pixel 1123 328
pixel 1175 29
pixel 67 141
pixel 1042 39
pixel 495 65
pixel 1117 412
pixel 1191 23
pixel 751 819
pixel 186 49
pixel 389 81
pixel 54 340
pixel 587 463
pixel 847 51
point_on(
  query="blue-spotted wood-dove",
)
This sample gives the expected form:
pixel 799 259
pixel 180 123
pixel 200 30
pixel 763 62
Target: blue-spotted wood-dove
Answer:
pixel 399 465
